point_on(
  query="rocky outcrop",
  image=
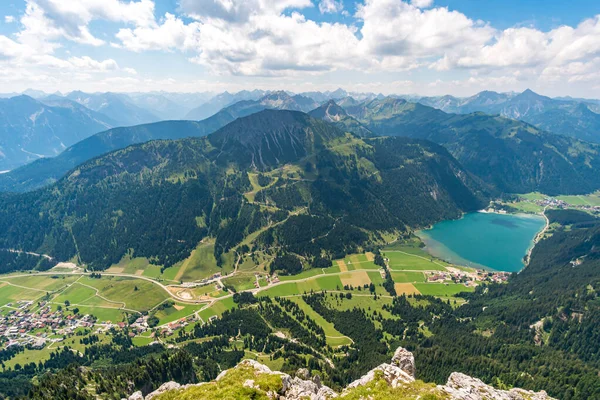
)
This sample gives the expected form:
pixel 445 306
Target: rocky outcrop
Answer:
pixel 399 375
pixel 400 371
pixel 464 387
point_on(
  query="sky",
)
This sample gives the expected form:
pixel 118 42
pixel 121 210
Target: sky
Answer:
pixel 426 47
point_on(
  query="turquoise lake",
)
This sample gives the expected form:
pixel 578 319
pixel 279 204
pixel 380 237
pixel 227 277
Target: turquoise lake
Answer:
pixel 484 240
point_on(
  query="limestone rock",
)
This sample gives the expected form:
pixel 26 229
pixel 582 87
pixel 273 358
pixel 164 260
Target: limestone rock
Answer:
pixel 400 371
pixel 165 387
pixel 405 360
pixel 296 389
pixel 464 387
pixel 393 375
pixel 303 373
pixel 136 396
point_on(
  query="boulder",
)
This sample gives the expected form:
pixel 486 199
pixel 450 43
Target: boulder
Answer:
pixel 464 387
pixel 165 387
pixel 136 396
pixel 303 373
pixel 405 360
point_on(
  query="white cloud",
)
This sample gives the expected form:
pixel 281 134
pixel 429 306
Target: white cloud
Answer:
pixel 330 6
pixel 171 34
pixel 273 38
pixel 422 3
pixel 238 11
pixel 9 19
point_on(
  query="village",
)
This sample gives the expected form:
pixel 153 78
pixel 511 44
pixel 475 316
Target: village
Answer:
pixel 468 278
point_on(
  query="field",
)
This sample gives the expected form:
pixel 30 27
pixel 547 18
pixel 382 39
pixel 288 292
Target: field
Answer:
pixel 582 200
pixel 355 279
pixel 11 294
pixel 412 259
pixel 135 294
pixel 176 312
pixel 406 288
pixel 199 265
pixel 310 273
pixel 242 281
pixel 445 290
pixel 334 338
pixel 408 276
pixel 217 308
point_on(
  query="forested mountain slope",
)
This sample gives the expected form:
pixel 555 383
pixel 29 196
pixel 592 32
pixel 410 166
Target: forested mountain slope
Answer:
pixel 161 198
pixel 510 155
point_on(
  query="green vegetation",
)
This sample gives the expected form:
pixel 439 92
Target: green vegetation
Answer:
pixel 412 277
pixel 444 289
pixel 412 259
pixel 231 386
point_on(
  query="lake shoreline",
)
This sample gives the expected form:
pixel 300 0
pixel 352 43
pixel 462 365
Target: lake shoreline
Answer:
pixel 484 239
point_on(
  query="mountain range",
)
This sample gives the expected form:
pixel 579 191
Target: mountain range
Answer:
pixel 48 170
pixel 510 155
pixel 578 118
pixel 30 129
pixel 160 198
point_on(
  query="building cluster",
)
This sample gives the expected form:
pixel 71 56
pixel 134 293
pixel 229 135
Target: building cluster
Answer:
pixel 468 278
pixel 20 326
pixel 557 203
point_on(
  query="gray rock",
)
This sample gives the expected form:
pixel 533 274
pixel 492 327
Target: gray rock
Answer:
pixel 464 387
pixel 165 387
pixel 405 360
pixel 136 396
pixel 303 373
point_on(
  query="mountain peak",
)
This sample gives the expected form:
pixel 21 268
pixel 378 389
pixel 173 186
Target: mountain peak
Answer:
pixel 271 137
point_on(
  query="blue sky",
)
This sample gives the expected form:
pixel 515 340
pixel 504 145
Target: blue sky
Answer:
pixel 390 46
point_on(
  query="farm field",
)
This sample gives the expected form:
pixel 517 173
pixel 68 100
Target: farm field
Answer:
pixel 242 281
pixel 41 282
pixel 176 312
pixel 408 276
pixel 11 294
pixel 310 273
pixel 582 200
pixel 217 308
pixel 412 259
pixel 444 290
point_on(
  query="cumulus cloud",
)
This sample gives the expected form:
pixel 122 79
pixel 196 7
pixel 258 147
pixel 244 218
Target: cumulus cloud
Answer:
pixel 238 11
pixel 274 38
pixel 330 6
pixel 9 19
pixel 422 3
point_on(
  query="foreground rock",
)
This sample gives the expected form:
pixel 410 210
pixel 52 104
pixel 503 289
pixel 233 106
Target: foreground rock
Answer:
pixel 461 386
pixel 396 380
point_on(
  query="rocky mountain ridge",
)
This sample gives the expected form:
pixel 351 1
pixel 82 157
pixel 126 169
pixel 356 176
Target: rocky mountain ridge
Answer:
pixel 396 380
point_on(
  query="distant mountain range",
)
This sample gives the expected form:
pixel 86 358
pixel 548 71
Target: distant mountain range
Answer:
pixel 220 101
pixel 30 129
pixel 578 118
